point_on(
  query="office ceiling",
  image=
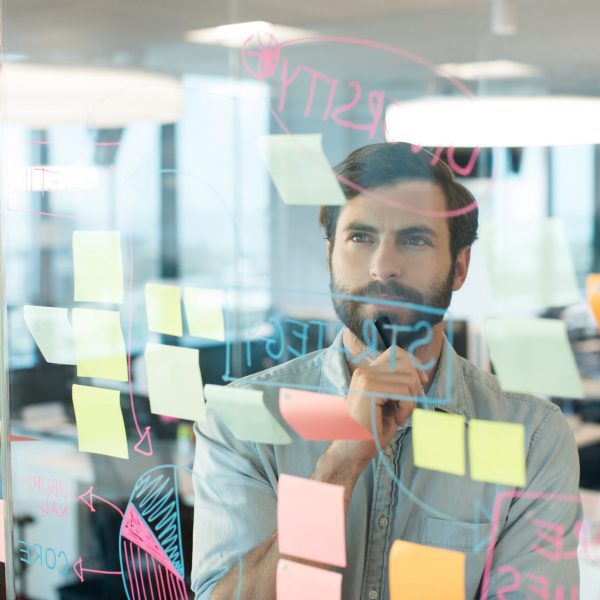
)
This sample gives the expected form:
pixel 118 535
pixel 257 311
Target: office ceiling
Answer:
pixel 558 37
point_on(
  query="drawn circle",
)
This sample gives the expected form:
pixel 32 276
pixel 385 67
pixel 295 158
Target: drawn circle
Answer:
pixel 260 55
pixel 388 48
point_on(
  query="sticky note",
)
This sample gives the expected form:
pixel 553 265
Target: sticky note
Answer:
pixel 316 416
pixel 98 266
pixel 310 520
pixel 52 332
pixel 592 286
pixel 533 356
pixel 497 452
pixel 425 572
pixel 244 412
pixel 438 441
pixel 299 582
pixel 300 170
pixel 174 382
pixel 529 264
pixel 99 419
pixel 163 308
pixel 2 543
pixel 204 312
pixel 99 344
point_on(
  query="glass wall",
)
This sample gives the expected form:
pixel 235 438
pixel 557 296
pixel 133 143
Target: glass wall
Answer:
pixel 163 165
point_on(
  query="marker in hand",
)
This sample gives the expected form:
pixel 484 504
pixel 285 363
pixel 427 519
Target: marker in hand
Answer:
pixel 385 333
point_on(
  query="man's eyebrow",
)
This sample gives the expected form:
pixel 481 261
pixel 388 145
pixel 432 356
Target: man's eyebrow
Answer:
pixel 358 226
pixel 417 229
pixel 412 230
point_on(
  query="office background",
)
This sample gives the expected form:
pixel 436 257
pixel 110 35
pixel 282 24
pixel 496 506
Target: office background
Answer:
pixel 144 118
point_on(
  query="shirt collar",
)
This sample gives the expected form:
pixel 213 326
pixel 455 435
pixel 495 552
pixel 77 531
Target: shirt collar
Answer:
pixel 448 385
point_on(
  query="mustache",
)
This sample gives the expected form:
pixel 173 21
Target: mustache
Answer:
pixel 396 290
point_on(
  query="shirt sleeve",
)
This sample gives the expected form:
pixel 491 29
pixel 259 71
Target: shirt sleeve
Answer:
pixel 235 507
pixel 535 555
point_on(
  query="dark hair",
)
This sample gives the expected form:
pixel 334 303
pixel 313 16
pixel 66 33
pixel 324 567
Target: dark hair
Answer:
pixel 378 165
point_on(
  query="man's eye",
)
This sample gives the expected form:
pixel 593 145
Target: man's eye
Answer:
pixel 360 238
pixel 417 240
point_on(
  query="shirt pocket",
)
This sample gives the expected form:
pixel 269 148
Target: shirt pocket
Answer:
pixel 456 535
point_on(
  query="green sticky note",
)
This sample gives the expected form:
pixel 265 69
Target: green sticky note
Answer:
pixel 99 344
pixel 99 418
pixel 98 266
pixel 244 412
pixel 300 170
pixel 529 264
pixel 163 308
pixel 204 313
pixel 497 452
pixel 52 332
pixel 438 441
pixel 533 356
pixel 174 382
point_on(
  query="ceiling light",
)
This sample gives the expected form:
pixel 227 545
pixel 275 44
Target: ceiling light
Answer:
pixel 486 122
pixel 490 69
pixel 234 35
pixel 41 96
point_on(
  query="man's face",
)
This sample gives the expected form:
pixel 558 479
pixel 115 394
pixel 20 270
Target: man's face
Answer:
pixel 383 251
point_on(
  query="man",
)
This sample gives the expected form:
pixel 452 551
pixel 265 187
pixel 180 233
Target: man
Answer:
pixel 404 234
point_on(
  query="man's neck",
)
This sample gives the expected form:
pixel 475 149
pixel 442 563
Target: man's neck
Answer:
pixel 423 353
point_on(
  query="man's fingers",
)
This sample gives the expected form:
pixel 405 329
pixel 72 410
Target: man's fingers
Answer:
pixel 402 413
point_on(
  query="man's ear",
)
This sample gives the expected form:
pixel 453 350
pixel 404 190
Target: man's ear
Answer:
pixel 461 267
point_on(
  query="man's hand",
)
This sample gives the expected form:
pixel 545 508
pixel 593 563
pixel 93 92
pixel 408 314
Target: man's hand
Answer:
pixel 378 381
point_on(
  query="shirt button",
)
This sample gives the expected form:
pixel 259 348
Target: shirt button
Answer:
pixel 389 452
pixel 373 594
pixel 383 521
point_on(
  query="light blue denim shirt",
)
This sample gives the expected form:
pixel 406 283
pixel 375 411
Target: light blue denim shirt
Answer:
pixel 518 542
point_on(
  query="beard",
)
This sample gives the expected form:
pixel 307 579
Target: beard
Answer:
pixel 352 313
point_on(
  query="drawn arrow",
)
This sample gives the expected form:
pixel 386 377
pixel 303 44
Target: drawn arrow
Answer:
pixel 79 570
pixel 144 437
pixel 88 499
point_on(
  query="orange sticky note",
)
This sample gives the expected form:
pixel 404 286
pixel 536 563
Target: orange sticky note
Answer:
pixel 299 582
pixel 592 286
pixel 310 520
pixel 316 416
pixel 426 572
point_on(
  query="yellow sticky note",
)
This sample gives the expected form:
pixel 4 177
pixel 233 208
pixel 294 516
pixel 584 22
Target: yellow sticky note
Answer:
pixel 98 266
pixel 99 344
pixel 425 572
pixel 533 356
pixel 174 382
pixel 529 264
pixel 438 441
pixel 163 308
pixel 204 313
pixel 99 418
pixel 52 333
pixel 243 411
pixel 300 170
pixel 497 452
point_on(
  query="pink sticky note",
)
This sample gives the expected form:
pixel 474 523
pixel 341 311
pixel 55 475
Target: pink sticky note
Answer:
pixel 2 547
pixel 299 582
pixel 316 416
pixel 310 520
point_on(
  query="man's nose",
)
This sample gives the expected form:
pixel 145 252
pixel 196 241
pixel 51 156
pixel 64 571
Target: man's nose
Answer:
pixel 386 262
